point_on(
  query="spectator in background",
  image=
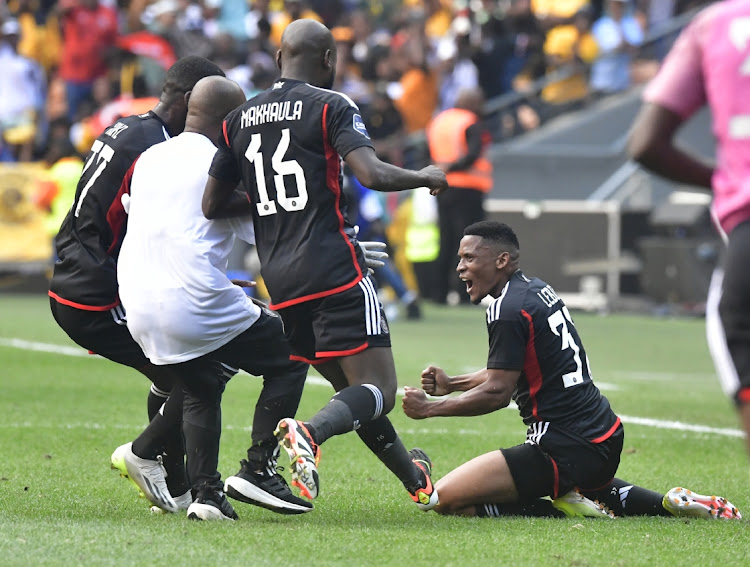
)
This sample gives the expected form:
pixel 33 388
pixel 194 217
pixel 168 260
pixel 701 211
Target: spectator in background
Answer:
pixel 58 187
pixel 293 10
pixel 491 49
pixel 183 28
pixel 457 70
pixel 385 126
pixel 617 34
pixel 572 51
pixel 526 41
pixel 554 13
pixel 365 41
pixel 458 142
pixel 258 20
pixel 370 216
pixel 438 18
pixel 348 79
pixel 89 30
pixel 40 33
pixel 416 96
pixel 22 91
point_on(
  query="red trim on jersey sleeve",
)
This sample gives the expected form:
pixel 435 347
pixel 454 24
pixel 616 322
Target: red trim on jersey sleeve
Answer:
pixel 81 306
pixel 333 161
pixel 117 218
pixel 743 396
pixel 556 487
pixel 608 434
pixel 226 136
pixel 337 353
pixel 531 365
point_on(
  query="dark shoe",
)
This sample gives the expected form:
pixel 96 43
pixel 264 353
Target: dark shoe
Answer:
pixel 268 491
pixel 211 504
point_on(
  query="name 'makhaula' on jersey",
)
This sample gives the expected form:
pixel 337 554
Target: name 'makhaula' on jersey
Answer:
pixel 85 275
pixel 286 146
pixel 530 329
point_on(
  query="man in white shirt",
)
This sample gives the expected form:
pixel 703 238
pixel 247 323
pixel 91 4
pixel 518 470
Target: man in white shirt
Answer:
pixel 183 311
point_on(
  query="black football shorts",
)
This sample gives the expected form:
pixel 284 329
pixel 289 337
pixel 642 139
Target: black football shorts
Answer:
pixel 561 460
pixel 101 332
pixel 341 324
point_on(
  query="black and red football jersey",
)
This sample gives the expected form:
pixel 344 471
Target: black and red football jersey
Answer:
pixel 530 329
pixel 85 276
pixel 286 146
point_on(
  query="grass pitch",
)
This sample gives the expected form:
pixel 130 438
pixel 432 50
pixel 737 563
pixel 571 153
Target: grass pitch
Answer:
pixel 62 415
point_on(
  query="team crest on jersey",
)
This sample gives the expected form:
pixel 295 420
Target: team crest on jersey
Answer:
pixel 359 126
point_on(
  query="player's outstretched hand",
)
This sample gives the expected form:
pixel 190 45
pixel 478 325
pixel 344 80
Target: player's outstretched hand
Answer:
pixel 434 179
pixel 435 381
pixel 415 403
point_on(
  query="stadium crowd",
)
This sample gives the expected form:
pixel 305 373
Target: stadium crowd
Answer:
pixel 72 67
pixel 86 61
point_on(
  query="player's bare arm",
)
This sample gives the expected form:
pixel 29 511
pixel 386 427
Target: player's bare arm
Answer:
pixel 222 199
pixel 436 382
pixel 381 176
pixel 490 395
pixel 651 143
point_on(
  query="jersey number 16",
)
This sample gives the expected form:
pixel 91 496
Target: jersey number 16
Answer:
pixel 266 206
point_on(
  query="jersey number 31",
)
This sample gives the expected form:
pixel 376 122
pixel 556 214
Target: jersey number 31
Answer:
pixel 558 319
pixel 266 206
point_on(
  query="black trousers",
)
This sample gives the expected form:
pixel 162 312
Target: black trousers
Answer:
pixel 261 350
pixel 457 209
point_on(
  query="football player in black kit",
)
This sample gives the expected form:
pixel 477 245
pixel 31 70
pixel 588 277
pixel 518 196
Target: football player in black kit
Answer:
pixel 286 145
pixel 574 439
pixel 83 290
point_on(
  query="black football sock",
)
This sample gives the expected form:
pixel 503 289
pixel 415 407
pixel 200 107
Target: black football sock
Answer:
pixel 539 508
pixel 626 499
pixel 156 399
pixel 348 409
pixel 201 427
pixel 163 428
pixel 381 438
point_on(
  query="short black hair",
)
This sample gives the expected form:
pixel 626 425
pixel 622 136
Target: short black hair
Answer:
pixel 182 76
pixel 496 232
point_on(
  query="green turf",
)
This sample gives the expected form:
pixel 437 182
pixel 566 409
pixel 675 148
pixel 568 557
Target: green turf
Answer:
pixel 61 416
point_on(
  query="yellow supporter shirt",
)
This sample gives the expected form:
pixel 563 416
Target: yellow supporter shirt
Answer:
pixel 562 45
pixel 419 99
pixel 559 8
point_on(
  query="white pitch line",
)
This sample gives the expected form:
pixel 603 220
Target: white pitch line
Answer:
pixel 44 347
pixel 318 381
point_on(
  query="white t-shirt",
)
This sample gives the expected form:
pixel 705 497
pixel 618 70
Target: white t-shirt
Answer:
pixel 172 266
